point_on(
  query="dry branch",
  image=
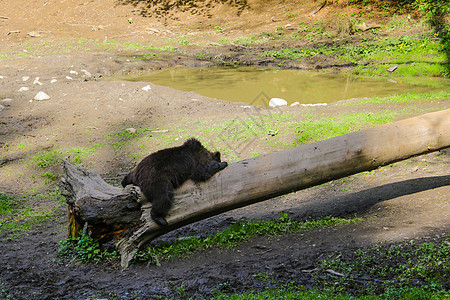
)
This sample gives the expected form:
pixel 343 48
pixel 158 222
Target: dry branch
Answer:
pixel 114 213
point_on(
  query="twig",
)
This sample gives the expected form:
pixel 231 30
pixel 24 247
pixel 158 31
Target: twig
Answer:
pixel 3 17
pixel 318 8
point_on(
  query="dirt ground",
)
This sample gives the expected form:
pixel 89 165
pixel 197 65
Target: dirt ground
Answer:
pixel 41 51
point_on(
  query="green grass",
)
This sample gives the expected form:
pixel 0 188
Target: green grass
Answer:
pixel 325 128
pixel 16 213
pixel 390 269
pixel 414 55
pixel 48 159
pixel 297 293
pixel 84 249
pixel 235 234
pixel 404 98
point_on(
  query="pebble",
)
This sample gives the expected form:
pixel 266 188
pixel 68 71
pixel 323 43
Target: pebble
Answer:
pixel 36 81
pixel 23 89
pixel 147 88
pixel 69 78
pixel 274 102
pixel 1 108
pixel 41 96
pixel 7 101
pixel 131 130
pixel 86 73
pixel 25 78
pixel 53 80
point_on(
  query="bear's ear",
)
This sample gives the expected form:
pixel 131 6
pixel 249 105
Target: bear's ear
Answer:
pixel 193 144
pixel 217 155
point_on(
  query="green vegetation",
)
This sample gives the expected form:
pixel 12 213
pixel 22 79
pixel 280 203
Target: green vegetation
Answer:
pixel 406 271
pixel 404 98
pixel 85 249
pixel 414 55
pixel 235 234
pixel 88 250
pixel 391 270
pixel 17 213
pixel 325 128
pixel 48 159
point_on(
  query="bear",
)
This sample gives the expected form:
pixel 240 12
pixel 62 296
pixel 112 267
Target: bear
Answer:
pixel 160 173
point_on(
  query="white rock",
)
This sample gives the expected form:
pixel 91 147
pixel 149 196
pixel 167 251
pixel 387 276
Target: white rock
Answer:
pixel 274 102
pixel 1 108
pixel 36 81
pixel 23 89
pixel 147 88
pixel 1 76
pixel 131 130
pixel 25 78
pixel 53 80
pixel 295 104
pixel 69 78
pixel 41 96
pixel 86 73
pixel 73 72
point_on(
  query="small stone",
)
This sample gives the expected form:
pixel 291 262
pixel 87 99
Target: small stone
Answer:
pixel 131 130
pixel 86 73
pixel 147 88
pixel 295 104
pixel 2 77
pixel 34 34
pixel 73 72
pixel 41 96
pixel 274 102
pixel 36 81
pixel 1 108
pixel 23 89
pixel 69 78
pixel 392 69
pixel 25 78
pixel 53 80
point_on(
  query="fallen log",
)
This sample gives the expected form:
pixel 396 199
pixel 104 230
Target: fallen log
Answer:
pixel 111 213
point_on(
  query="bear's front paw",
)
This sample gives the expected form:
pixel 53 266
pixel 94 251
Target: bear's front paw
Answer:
pixel 223 165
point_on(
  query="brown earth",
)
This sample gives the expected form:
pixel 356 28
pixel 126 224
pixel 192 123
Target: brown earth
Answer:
pixel 54 40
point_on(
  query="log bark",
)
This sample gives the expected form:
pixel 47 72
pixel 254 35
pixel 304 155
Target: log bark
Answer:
pixel 108 209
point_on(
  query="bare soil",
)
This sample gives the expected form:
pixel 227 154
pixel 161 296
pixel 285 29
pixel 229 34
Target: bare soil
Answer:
pixel 52 43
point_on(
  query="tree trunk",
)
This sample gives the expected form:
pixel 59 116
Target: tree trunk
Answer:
pixel 116 213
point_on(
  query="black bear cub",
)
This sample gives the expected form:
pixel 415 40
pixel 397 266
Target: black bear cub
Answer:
pixel 160 173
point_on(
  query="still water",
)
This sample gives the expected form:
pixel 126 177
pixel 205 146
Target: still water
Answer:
pixel 255 85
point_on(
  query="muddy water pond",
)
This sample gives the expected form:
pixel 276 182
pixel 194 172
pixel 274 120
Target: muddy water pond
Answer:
pixel 258 86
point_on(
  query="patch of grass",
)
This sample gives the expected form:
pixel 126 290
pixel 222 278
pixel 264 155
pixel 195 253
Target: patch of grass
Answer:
pixel 296 53
pixel 85 249
pixel 235 234
pixel 394 271
pixel 8 204
pixel 298 292
pixel 16 213
pixel 325 128
pixel 407 97
pixel 414 56
pixel 48 159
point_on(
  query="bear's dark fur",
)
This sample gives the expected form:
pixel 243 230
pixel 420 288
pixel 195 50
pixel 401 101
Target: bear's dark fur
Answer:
pixel 160 173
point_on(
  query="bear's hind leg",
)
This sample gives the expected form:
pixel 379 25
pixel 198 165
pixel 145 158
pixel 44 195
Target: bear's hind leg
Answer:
pixel 162 199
